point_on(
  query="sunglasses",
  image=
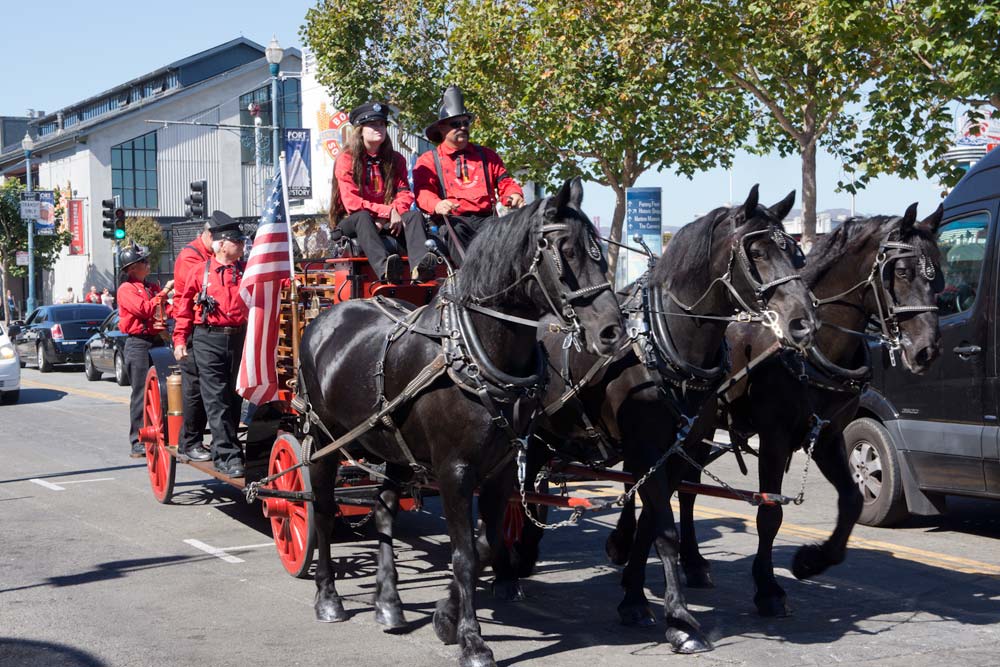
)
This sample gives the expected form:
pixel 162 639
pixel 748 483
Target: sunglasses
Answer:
pixel 460 124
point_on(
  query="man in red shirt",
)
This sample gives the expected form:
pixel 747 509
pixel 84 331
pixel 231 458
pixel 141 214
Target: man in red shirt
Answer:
pixel 138 302
pixel 213 315
pixel 460 183
pixel 92 295
pixel 189 265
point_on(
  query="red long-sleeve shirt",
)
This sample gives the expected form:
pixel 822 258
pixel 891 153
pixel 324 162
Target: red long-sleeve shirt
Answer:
pixel 224 287
pixel 190 260
pixel 137 302
pixel 463 180
pixel 371 194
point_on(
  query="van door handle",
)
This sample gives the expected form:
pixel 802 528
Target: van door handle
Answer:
pixel 967 350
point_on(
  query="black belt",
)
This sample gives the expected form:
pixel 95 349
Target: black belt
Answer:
pixel 229 331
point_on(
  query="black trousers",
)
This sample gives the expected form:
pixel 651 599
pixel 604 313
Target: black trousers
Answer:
pixel 360 225
pixel 136 366
pixel 217 356
pixel 466 227
pixel 195 419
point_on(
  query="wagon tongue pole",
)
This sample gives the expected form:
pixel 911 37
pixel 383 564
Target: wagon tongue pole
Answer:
pixel 293 290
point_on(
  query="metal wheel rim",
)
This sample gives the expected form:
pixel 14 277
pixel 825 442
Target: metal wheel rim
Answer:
pixel 88 363
pixel 866 467
pixel 40 355
pixel 119 367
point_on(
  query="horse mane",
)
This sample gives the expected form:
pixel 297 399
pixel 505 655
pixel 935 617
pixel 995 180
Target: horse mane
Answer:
pixel 849 237
pixel 502 252
pixel 688 254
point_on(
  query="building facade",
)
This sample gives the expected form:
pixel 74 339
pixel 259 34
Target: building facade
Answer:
pixel 144 141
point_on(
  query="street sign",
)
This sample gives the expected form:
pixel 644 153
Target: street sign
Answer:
pixel 643 217
pixel 39 207
pixel 21 258
pixel 30 208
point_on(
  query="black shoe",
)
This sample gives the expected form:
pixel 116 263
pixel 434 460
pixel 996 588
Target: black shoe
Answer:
pixel 393 269
pixel 233 469
pixel 426 271
pixel 138 451
pixel 196 453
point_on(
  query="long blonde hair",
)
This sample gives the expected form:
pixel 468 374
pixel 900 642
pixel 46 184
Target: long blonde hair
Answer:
pixel 355 146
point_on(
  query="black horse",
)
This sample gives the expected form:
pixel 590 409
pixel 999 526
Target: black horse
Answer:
pixel 882 269
pixel 461 430
pixel 634 408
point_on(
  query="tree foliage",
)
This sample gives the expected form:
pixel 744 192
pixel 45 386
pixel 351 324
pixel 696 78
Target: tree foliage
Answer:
pixel 589 88
pixel 147 233
pixel 14 236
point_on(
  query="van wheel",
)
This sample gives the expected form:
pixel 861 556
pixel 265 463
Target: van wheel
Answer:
pixel 121 377
pixel 875 467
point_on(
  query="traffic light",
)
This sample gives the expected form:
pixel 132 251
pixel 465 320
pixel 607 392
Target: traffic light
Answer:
pixel 197 201
pixel 119 224
pixel 108 218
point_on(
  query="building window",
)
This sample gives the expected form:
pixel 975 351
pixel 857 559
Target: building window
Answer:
pixel 133 172
pixel 289 115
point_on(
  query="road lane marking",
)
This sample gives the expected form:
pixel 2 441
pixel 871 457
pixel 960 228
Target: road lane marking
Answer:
pixel 214 551
pixel 48 485
pixel 85 481
pixel 73 390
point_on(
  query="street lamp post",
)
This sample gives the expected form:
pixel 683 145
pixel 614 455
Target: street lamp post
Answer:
pixel 254 110
pixel 274 53
pixel 27 144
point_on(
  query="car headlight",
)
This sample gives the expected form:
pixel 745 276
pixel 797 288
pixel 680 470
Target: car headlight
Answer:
pixel 7 352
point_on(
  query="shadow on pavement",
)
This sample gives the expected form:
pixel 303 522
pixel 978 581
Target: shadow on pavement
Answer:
pixel 106 571
pixel 29 653
pixel 70 473
pixel 31 395
pixel 969 516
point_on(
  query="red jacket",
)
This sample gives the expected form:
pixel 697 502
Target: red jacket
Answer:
pixel 190 260
pixel 371 195
pixel 223 286
pixel 137 302
pixel 463 180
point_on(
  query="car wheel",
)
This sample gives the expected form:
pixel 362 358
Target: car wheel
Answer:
pixel 44 365
pixel 9 397
pixel 121 377
pixel 88 368
pixel 875 467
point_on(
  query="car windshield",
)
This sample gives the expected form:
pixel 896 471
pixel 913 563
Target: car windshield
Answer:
pixel 79 313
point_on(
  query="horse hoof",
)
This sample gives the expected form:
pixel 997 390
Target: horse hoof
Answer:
pixel 330 611
pixel 809 561
pixel 617 553
pixel 637 616
pixel 508 591
pixel 481 658
pixel 685 642
pixel 444 624
pixel 699 578
pixel 772 607
pixel 390 617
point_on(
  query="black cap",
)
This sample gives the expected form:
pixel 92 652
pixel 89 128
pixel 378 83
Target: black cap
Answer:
pixel 220 221
pixel 131 255
pixel 368 112
pixel 228 233
pixel 452 106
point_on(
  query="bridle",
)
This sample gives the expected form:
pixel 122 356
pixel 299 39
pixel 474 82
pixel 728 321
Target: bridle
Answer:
pixel 887 305
pixel 554 286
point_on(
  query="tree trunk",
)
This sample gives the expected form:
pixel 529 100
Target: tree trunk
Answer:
pixel 809 195
pixel 3 294
pixel 617 220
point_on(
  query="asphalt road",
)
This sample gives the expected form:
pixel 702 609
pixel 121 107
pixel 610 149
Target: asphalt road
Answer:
pixel 93 571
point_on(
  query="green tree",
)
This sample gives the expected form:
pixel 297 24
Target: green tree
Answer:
pixel 146 232
pixel 14 238
pixel 589 88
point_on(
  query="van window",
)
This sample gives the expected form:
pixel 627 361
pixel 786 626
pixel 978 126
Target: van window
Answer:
pixel 963 247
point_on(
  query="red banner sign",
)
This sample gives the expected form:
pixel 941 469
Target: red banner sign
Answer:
pixel 74 212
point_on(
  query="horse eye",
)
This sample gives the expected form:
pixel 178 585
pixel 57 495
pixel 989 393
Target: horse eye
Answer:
pixel 757 253
pixel 569 252
pixel 902 272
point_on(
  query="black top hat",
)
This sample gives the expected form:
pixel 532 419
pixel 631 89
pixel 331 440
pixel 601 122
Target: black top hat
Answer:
pixel 131 255
pixel 452 106
pixel 368 112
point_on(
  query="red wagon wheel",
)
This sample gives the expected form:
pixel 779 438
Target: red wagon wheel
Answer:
pixel 291 521
pixel 159 463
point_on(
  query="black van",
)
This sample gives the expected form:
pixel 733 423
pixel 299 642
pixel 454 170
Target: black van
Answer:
pixel 916 438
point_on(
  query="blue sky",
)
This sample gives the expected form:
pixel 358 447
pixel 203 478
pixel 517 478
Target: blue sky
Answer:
pixel 65 52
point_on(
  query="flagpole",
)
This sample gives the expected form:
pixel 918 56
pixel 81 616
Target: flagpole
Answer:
pixel 293 289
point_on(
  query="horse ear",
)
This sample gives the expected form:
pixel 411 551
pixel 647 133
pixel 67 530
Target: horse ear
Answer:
pixel 576 192
pixel 931 223
pixel 750 205
pixel 906 224
pixel 560 200
pixel 782 208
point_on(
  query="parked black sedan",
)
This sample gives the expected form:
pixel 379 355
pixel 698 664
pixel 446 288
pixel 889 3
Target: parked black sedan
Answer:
pixel 56 334
pixel 105 352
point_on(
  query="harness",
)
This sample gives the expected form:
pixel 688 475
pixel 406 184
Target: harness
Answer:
pixel 506 398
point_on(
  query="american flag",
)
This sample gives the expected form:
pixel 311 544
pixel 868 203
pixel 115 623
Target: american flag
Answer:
pixel 268 265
